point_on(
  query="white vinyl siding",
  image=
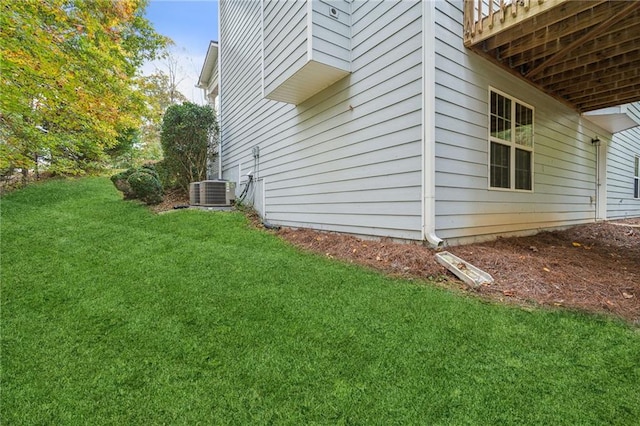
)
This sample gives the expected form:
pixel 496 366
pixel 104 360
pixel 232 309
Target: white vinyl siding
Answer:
pixel 306 47
pixel 284 40
pixel 622 153
pixel 564 167
pixel 347 159
pixel 331 42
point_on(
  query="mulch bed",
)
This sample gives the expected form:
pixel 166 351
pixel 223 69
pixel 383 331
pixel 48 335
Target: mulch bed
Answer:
pixel 593 267
pixel 170 200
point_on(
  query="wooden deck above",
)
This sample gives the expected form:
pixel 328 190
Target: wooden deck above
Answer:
pixel 585 53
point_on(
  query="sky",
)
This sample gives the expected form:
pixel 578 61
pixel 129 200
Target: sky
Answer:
pixel 191 24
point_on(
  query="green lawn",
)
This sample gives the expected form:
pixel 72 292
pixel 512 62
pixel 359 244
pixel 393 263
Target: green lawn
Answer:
pixel 113 315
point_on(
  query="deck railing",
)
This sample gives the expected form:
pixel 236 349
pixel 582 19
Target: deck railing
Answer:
pixel 485 18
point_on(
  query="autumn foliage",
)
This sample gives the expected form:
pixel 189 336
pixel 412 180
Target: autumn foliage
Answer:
pixel 68 70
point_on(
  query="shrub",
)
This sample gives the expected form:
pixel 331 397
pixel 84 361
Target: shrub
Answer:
pixel 164 174
pixel 146 186
pixel 189 132
pixel 120 182
pixel 141 183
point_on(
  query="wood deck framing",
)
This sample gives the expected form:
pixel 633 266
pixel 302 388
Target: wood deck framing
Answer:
pixel 585 53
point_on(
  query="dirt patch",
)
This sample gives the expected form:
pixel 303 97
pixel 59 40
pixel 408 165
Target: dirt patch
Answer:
pixel 593 267
pixel 170 200
pixel 15 181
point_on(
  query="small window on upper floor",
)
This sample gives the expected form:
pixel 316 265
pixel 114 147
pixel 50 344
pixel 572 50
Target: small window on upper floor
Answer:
pixel 636 178
pixel 510 143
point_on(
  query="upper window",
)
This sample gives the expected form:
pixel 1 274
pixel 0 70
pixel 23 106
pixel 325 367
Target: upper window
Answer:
pixel 636 179
pixel 511 143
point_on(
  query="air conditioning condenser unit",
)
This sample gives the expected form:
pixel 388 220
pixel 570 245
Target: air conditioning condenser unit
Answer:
pixel 194 193
pixel 217 193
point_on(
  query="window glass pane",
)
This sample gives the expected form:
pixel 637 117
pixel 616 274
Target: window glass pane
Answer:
pixel 499 169
pixel 523 169
pixel 636 180
pixel 500 117
pixel 524 125
pixel 511 143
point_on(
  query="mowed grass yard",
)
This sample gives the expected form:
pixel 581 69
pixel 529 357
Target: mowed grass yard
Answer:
pixel 114 315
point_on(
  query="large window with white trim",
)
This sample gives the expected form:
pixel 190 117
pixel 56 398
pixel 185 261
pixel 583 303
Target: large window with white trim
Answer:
pixel 636 179
pixel 510 143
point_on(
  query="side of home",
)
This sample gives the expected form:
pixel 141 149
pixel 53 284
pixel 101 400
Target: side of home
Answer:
pixel 559 164
pixel 623 170
pixel 349 157
pixel 373 118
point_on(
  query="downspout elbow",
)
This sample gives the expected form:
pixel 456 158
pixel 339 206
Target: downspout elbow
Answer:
pixel 434 240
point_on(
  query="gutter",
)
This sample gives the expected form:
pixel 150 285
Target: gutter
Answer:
pixel 428 125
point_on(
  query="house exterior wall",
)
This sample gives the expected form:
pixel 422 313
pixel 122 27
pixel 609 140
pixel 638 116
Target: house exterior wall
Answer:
pixel 212 90
pixel 331 36
pixel 564 180
pixel 621 154
pixel 306 46
pixel 349 158
pixel 285 35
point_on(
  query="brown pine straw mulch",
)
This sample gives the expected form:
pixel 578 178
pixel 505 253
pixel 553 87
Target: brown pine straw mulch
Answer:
pixel 593 267
pixel 170 200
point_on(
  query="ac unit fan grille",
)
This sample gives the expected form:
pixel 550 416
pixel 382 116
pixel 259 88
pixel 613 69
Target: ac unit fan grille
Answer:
pixel 216 193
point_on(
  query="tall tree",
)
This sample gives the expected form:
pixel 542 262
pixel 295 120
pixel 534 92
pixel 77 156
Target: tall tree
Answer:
pixel 160 93
pixel 67 72
pixel 175 75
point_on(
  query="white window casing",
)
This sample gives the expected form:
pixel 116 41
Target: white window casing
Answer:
pixel 511 143
pixel 636 178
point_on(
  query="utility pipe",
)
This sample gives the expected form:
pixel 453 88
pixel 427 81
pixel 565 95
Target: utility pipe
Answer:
pixel 219 112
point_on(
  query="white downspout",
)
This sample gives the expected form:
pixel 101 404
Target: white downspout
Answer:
pixel 428 125
pixel 219 150
pixel 601 180
pixel 264 200
pixel 219 101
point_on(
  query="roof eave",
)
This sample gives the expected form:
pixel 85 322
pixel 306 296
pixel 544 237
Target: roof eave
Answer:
pixel 210 63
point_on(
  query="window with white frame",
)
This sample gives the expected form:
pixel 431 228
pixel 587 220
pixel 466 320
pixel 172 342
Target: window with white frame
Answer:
pixel 636 179
pixel 510 143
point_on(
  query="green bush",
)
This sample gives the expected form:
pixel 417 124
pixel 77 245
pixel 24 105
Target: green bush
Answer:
pixel 141 183
pixel 120 182
pixel 146 186
pixel 189 134
pixel 150 169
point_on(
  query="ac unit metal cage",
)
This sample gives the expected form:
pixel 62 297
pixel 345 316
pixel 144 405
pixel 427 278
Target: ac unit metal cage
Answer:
pixel 194 193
